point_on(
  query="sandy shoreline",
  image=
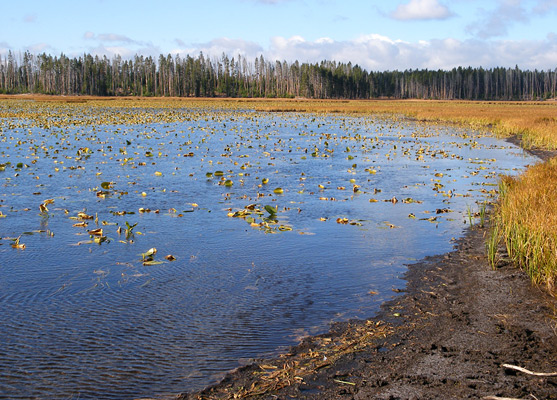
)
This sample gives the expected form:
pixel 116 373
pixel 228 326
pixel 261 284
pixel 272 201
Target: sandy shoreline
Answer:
pixel 447 337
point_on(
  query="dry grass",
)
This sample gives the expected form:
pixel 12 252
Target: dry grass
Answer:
pixel 526 220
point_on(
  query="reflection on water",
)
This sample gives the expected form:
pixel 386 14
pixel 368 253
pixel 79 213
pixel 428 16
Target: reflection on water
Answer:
pixel 83 320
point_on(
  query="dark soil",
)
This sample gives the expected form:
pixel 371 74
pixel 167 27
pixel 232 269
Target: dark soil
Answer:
pixel 446 337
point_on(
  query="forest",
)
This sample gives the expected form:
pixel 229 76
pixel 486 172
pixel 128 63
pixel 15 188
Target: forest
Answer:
pixel 202 76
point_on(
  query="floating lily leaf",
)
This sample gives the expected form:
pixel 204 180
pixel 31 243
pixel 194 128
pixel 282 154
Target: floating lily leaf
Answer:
pixel 107 185
pixel 170 257
pixel 17 244
pixel 278 191
pixel 271 210
pixel 100 239
pixel 96 232
pixel 158 173
pixel 152 262
pixel 82 215
pixel 149 253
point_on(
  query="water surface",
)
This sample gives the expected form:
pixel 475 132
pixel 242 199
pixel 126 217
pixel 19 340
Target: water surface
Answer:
pixel 88 320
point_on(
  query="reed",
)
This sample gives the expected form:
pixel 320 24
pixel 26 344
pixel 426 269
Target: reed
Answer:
pixel 470 215
pixel 492 245
pixel 483 214
pixel 526 221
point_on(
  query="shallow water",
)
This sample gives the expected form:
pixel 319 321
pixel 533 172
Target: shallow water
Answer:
pixel 83 320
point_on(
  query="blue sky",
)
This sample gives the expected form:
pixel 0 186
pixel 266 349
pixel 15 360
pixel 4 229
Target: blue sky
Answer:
pixel 378 35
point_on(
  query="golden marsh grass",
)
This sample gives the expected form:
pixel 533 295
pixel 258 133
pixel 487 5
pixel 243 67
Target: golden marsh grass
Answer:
pixel 526 220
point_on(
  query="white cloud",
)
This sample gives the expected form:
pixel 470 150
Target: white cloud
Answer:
pixel 545 6
pixel 4 48
pixel 108 37
pixel 126 52
pixel 38 48
pixel 496 22
pixel 379 53
pixel 421 10
pixel 114 37
pixel 216 47
pixel 373 52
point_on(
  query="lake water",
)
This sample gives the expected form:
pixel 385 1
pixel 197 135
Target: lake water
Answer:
pixel 85 319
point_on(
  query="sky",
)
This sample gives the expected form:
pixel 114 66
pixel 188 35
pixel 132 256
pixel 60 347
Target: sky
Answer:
pixel 376 35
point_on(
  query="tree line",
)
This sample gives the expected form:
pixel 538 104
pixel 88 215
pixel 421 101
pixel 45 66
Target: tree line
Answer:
pixel 201 76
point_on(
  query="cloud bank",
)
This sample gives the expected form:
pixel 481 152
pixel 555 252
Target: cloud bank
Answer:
pixel 373 52
pixel 380 53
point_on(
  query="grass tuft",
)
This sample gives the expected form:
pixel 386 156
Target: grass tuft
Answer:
pixel 526 221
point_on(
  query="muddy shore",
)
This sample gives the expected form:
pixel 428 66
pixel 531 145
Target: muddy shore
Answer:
pixel 446 337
